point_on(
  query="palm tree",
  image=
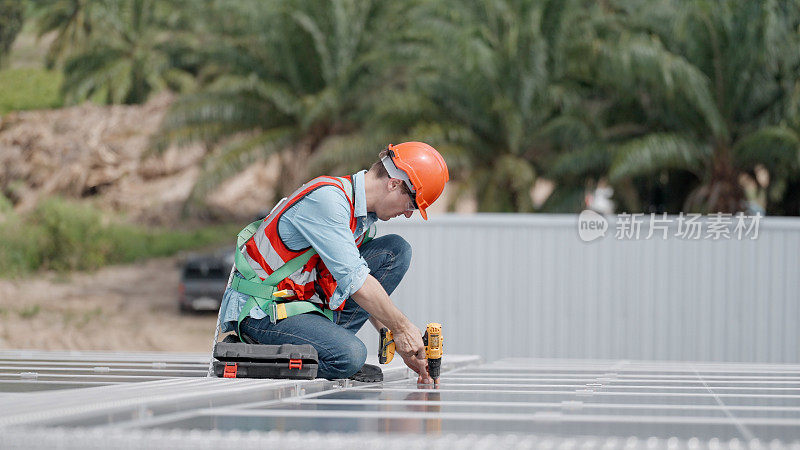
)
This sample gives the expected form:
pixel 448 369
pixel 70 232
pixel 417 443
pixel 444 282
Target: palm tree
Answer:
pixel 286 79
pixel 71 20
pixel 712 83
pixel 12 15
pixel 130 51
pixel 493 92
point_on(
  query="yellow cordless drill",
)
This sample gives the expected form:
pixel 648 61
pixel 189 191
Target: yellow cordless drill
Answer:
pixel 434 348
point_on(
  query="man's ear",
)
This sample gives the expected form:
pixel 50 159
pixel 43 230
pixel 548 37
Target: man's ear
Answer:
pixel 394 183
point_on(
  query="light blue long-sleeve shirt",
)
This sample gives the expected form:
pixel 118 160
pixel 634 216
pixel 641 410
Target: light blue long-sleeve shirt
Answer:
pixel 320 220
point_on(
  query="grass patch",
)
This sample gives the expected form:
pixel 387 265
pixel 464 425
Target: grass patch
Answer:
pixel 29 312
pixel 29 88
pixel 64 235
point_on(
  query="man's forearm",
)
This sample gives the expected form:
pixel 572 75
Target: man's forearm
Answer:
pixel 376 323
pixel 374 299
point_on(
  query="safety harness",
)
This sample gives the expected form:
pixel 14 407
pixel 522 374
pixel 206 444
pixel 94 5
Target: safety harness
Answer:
pixel 264 293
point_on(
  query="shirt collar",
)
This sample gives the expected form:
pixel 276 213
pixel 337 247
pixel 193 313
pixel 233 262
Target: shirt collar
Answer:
pixel 360 203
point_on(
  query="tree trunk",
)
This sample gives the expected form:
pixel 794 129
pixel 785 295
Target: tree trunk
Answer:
pixel 294 169
pixel 724 194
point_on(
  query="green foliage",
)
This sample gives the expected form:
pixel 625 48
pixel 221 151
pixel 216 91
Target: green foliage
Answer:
pixel 493 81
pixel 287 78
pixel 12 14
pixel 775 148
pixel 72 22
pixel 20 244
pixel 24 89
pixel 676 96
pixel 121 50
pixel 655 152
pixel 65 235
pixel 71 235
pixel 694 86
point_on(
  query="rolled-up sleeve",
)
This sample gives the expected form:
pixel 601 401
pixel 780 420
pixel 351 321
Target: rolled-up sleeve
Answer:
pixel 322 220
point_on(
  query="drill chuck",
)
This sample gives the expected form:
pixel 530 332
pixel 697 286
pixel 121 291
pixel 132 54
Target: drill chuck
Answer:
pixel 435 367
pixel 434 348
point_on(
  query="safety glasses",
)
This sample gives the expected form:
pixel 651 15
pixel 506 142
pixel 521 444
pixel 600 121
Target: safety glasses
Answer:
pixel 413 203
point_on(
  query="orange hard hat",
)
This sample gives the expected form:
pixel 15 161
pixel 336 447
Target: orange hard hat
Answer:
pixel 424 168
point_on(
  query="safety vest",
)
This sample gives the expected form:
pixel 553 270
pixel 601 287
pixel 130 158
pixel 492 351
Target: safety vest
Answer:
pixel 265 252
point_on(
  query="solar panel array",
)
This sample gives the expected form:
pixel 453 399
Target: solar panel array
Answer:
pixel 110 400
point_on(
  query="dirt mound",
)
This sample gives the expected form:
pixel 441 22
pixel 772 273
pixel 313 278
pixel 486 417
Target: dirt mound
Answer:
pixel 100 153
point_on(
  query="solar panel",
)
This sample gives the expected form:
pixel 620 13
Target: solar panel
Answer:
pixel 102 400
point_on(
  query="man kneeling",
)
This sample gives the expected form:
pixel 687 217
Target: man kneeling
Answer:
pixel 310 274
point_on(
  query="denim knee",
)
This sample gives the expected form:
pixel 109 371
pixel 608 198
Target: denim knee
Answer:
pixel 401 250
pixel 349 358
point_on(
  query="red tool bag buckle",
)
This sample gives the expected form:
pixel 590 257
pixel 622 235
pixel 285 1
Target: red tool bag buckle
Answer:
pixel 230 370
pixel 295 363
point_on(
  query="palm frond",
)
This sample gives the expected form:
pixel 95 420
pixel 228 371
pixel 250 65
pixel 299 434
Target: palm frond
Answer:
pixel 564 131
pixel 310 26
pixel 575 166
pixel 656 152
pixel 776 148
pixel 210 117
pixel 347 153
pixel 275 92
pixel 506 186
pixel 237 155
pixel 88 72
pixel 635 60
pixel 565 199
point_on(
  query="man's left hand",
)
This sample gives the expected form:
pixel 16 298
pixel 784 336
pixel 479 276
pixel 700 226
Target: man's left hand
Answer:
pixel 420 366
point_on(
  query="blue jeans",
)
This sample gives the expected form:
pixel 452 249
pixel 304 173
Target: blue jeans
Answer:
pixel 340 352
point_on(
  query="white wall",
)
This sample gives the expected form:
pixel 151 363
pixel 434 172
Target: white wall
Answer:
pixel 526 285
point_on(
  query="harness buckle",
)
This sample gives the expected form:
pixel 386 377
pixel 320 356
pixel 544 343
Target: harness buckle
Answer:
pixel 277 311
pixel 295 364
pixel 280 309
pixel 272 313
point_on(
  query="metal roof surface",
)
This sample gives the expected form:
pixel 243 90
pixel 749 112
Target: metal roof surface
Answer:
pixel 134 400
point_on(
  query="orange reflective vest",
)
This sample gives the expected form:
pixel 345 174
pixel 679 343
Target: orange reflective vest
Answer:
pixel 265 252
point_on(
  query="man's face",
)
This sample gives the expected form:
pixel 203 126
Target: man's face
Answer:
pixel 398 201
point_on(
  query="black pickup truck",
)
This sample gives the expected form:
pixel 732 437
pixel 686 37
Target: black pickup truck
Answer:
pixel 203 280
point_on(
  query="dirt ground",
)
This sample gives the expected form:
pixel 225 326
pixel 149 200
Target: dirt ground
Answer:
pixel 131 307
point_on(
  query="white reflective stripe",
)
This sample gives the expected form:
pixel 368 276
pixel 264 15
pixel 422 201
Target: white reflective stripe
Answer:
pixel 264 246
pixel 301 277
pixel 272 257
pixel 255 266
pixel 348 190
pixel 278 206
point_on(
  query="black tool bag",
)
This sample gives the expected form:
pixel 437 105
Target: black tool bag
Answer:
pixel 240 360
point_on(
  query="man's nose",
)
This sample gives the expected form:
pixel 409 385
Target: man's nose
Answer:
pixel 408 214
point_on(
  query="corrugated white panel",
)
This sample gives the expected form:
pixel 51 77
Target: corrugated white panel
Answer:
pixel 525 285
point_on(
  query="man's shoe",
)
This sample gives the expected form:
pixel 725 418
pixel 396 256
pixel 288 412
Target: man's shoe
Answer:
pixel 368 374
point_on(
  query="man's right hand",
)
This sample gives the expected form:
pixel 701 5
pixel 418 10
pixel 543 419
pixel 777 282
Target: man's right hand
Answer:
pixel 410 346
pixel 408 342
pixel 407 337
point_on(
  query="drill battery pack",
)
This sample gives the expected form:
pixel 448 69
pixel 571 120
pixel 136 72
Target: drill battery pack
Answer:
pixel 240 360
